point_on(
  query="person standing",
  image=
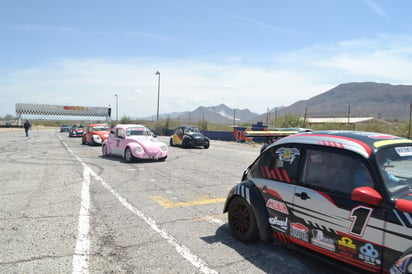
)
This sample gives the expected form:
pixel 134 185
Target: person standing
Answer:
pixel 27 127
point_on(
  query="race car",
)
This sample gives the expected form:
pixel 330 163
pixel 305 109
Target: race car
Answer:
pixel 76 130
pixel 344 194
pixel 95 134
pixel 132 142
pixel 189 136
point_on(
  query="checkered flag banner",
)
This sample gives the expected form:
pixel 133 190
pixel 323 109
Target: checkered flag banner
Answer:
pixel 36 109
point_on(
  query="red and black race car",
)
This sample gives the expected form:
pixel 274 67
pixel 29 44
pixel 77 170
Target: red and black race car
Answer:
pixel 77 130
pixel 345 194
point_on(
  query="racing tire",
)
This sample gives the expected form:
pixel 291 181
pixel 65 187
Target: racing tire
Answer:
pixel 128 156
pixel 403 264
pixel 104 151
pixel 184 143
pixel 242 220
pixel 171 142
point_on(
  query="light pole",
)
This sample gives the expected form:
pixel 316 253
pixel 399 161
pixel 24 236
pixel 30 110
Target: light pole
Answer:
pixel 117 106
pixel 158 94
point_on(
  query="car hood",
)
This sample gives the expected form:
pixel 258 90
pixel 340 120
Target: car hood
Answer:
pixel 146 141
pixel 102 133
pixel 196 135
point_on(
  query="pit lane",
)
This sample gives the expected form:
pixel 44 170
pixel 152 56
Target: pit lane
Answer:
pixel 67 209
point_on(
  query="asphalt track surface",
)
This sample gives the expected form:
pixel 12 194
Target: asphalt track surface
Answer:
pixel 66 209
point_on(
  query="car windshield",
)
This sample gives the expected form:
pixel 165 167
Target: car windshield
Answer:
pixel 77 126
pixel 101 128
pixel 192 130
pixel 395 166
pixel 138 131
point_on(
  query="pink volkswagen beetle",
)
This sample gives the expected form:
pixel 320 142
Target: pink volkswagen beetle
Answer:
pixel 134 142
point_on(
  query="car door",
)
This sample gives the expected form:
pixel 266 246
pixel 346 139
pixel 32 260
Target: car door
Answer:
pixel 326 219
pixel 88 134
pixel 119 142
pixel 178 136
pixel 275 174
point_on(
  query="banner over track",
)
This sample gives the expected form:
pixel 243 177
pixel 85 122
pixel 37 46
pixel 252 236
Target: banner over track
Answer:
pixel 56 110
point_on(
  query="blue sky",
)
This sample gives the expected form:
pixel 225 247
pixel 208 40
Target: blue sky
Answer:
pixel 246 54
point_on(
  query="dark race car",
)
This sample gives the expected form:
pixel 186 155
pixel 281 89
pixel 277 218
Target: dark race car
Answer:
pixel 189 136
pixel 76 130
pixel 344 194
pixel 65 128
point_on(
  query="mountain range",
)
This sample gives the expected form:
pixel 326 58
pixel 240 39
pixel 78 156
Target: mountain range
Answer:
pixel 365 99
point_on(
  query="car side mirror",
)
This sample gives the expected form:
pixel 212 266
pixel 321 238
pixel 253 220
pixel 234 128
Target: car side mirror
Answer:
pixel 367 195
pixel 112 132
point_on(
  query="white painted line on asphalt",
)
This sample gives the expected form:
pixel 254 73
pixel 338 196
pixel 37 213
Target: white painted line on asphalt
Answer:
pixel 80 262
pixel 82 250
pixel 181 249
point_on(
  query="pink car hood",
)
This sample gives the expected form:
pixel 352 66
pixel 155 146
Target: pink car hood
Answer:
pixel 148 143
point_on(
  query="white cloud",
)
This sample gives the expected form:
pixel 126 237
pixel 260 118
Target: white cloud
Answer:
pixel 186 84
pixel 376 8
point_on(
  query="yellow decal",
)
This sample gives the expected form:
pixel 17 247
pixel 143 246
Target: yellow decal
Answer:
pixel 391 142
pixel 345 241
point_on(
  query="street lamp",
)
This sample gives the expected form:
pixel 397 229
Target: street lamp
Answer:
pixel 158 94
pixel 117 106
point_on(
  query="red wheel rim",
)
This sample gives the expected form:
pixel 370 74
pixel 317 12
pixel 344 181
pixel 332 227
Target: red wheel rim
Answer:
pixel 240 218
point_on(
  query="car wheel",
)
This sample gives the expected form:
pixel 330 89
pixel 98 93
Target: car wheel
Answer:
pixel 242 220
pixel 83 141
pixel 162 159
pixel 171 142
pixel 184 143
pixel 128 156
pixel 104 151
pixel 207 146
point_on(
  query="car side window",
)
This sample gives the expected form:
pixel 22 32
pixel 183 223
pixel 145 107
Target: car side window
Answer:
pixel 278 163
pixel 334 171
pixel 120 133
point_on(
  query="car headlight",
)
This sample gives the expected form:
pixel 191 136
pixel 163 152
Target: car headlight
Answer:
pixel 97 138
pixel 163 148
pixel 138 149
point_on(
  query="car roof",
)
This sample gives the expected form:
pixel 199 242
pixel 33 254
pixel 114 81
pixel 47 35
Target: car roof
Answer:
pixel 93 125
pixel 129 125
pixel 185 126
pixel 361 142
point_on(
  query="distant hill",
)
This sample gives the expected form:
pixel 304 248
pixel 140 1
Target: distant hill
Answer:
pixel 220 114
pixel 367 99
pixel 385 101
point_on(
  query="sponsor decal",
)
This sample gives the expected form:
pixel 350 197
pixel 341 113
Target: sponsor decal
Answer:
pixel 287 154
pixel 279 224
pixel 299 231
pixel 319 239
pixel 278 206
pixel 346 247
pixel 369 254
pixel 382 136
pixel 75 108
pixel 404 151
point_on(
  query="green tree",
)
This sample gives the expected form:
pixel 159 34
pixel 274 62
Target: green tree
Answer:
pixel 202 125
pixel 287 120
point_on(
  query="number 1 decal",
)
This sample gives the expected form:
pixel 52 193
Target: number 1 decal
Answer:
pixel 360 218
